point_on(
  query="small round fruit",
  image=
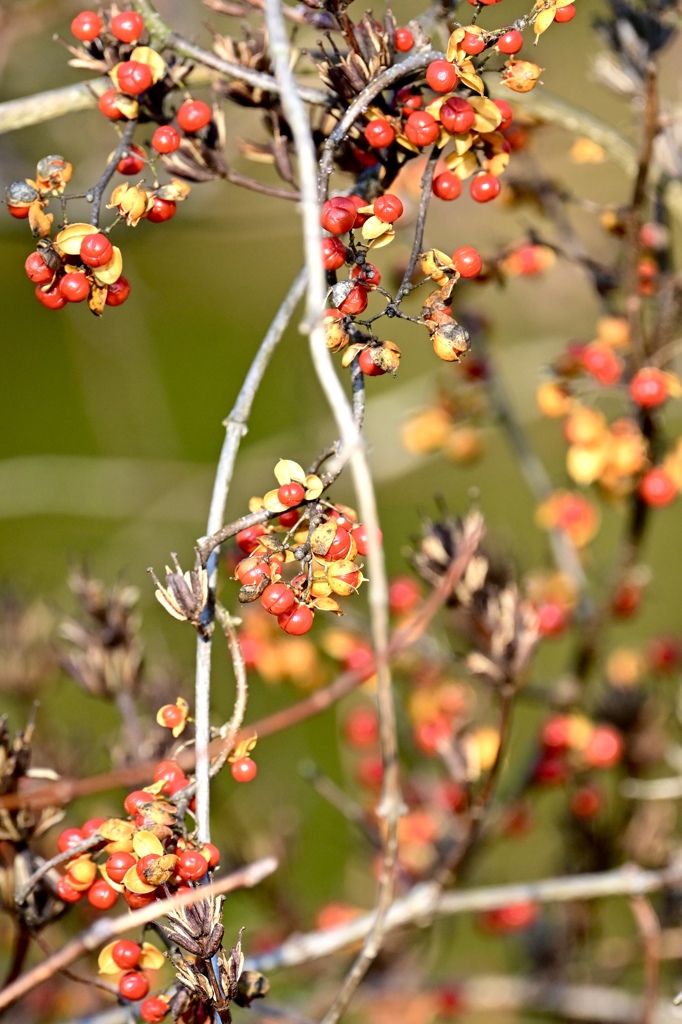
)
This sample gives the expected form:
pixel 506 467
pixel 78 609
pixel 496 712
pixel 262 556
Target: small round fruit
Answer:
pixel 366 274
pixel 388 208
pixel 101 895
pixel 193 115
pixel 404 595
pixel 74 287
pixel 248 539
pixel 484 187
pixel 134 985
pixel 291 494
pixel 92 826
pixel 510 42
pixel 467 261
pixel 355 302
pixel 69 838
pixel 441 76
pixel 297 621
pixel 408 99
pixel 126 954
pixel 118 292
pixel 649 387
pixel 136 900
pixel 361 726
pixel 337 218
pixel 37 269
pixel 52 298
pixel 404 40
pixel 172 716
pixel 447 186
pixel 244 770
pixel 507 114
pixel 456 115
pixel 277 598
pixel 361 538
pixel 213 854
pixel 138 797
pixel 144 863
pixel 19 212
pixel 168 771
pixel 368 366
pixel 166 139
pixel 86 26
pixel 657 488
pixel 421 128
pixel 132 162
pixel 127 26
pixel 133 77
pixel 334 253
pixel 154 1009
pixel 473 43
pixel 96 250
pixel 252 570
pixel 564 14
pixel 358 203
pixel 107 105
pixel 379 133
pixel 161 210
pixel 118 865
pixel 66 892
pixel 192 865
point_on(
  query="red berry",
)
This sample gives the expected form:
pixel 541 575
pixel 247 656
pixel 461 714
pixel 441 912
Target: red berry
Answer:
pixel 604 747
pixel 408 99
pixel 74 287
pixel 355 302
pixel 107 104
pixel 602 363
pixel 133 77
pixel 358 203
pixel 168 771
pixel 404 40
pixel 144 863
pixel 340 546
pixel 118 865
pixel 366 274
pixel 334 253
pixel 507 114
pixel 586 802
pixel 665 654
pixel 291 494
pixel 564 14
pixel 379 133
pixel 101 895
pixel 552 618
pixel 370 772
pixel 467 261
pixel 441 76
pixel 192 865
pixel 361 726
pixel 657 488
pixel 161 210
pixel 248 539
pixel 484 187
pixel 127 26
pixel 118 292
pixel 126 954
pixel 138 797
pixel 52 298
pixel 473 43
pixel 337 218
pixel 165 139
pixel 447 186
pixel 213 852
pixel 252 570
pixel 172 716
pixel 193 115
pixel 37 269
pixel 510 42
pixel 421 128
pixel 69 838
pixel 132 162
pixel 92 826
pixel 277 598
pixel 86 26
pixel 388 208
pixel 456 115
pixel 404 594
pixel 96 250
pixel 361 538
pixel 154 1009
pixel 244 770
pixel 297 621
pixel 134 986
pixel 135 900
pixel 20 212
pixel 368 366
pixel 66 892
pixel 649 387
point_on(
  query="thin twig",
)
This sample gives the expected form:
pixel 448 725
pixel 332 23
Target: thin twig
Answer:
pixel 110 169
pixel 107 928
pixel 417 244
pixel 59 858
